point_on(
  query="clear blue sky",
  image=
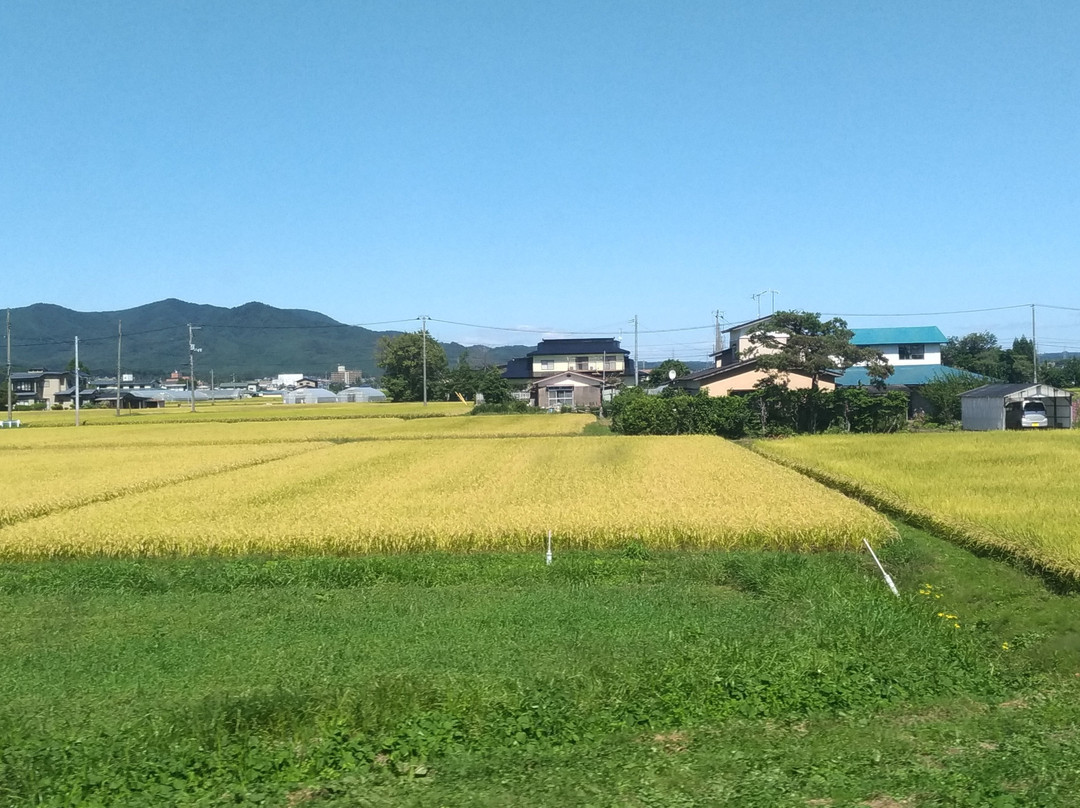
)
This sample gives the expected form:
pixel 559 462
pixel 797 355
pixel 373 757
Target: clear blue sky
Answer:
pixel 547 165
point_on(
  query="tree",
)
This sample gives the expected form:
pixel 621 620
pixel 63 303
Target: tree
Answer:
pixel 977 352
pixel 401 358
pixel 659 374
pixel 464 378
pixel 800 342
pixel 943 392
pixel 493 387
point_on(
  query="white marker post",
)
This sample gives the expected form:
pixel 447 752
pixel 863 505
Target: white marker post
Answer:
pixel 884 574
pixel 548 556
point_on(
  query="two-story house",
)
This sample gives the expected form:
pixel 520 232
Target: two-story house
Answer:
pixel 913 351
pixel 735 369
pixel 575 373
pixel 40 386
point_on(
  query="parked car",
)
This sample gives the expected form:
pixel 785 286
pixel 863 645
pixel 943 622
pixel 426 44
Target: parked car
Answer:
pixel 1026 414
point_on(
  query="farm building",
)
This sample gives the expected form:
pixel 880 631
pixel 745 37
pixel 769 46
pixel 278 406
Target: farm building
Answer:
pixel 993 405
pixel 308 395
pixel 357 395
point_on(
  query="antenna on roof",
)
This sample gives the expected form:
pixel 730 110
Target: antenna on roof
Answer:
pixel 760 294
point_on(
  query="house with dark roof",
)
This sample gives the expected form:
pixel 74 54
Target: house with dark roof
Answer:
pixel 42 386
pixel 572 372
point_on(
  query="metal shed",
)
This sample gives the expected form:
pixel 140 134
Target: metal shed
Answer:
pixel 984 407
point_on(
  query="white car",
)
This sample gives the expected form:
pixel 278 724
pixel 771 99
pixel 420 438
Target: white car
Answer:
pixel 1027 414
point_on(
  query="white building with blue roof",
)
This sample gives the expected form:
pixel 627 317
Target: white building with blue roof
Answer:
pixel 913 351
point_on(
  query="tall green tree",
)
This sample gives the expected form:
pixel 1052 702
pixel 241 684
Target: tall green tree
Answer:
pixel 801 342
pixel 977 352
pixel 659 374
pixel 402 359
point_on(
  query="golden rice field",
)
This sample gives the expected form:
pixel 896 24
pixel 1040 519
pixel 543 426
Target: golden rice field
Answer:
pixel 138 434
pixel 245 409
pixel 383 495
pixel 1018 492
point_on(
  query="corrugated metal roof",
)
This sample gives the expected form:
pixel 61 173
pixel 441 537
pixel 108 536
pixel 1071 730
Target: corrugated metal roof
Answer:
pixel 898 336
pixel 902 374
pixel 1016 390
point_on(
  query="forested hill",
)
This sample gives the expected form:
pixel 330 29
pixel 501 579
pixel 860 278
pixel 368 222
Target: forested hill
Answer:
pixel 249 341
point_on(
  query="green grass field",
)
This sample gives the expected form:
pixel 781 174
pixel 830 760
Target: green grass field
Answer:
pixel 620 678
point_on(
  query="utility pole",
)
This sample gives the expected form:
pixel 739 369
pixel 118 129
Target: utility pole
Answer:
pixel 423 351
pixel 191 359
pixel 719 338
pixel 603 383
pixel 9 391
pixel 119 339
pixel 1034 350
pixel 213 398
pixel 76 381
pixel 636 362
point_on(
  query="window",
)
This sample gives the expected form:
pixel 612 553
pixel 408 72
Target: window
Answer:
pixel 915 351
pixel 582 363
pixel 547 364
pixel 609 363
pixel 559 397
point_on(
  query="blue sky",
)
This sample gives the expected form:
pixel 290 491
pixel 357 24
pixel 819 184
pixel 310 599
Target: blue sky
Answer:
pixel 555 167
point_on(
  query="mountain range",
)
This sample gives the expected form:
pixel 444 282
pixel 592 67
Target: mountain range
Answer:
pixel 246 342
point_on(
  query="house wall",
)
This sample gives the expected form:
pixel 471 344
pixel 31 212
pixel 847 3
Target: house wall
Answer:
pixel 748 379
pixel 561 363
pixel 931 354
pixel 584 395
pixel 744 349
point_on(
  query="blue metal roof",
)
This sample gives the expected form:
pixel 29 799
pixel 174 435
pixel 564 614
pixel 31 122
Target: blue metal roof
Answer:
pixel 903 374
pixel 898 336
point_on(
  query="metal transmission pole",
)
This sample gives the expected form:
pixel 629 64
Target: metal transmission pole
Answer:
pixel 119 339
pixel 637 363
pixel 192 350
pixel 423 351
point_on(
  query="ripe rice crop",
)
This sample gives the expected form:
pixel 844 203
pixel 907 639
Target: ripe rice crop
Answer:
pixel 49 480
pixel 1012 491
pixel 392 496
pixel 141 435
pixel 247 409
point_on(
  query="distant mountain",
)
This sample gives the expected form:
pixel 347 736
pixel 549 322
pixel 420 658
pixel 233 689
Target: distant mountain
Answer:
pixel 246 342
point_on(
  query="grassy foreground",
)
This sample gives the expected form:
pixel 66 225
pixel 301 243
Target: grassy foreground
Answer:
pixel 618 678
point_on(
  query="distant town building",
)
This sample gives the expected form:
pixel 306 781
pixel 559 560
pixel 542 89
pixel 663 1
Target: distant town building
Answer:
pixel 349 378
